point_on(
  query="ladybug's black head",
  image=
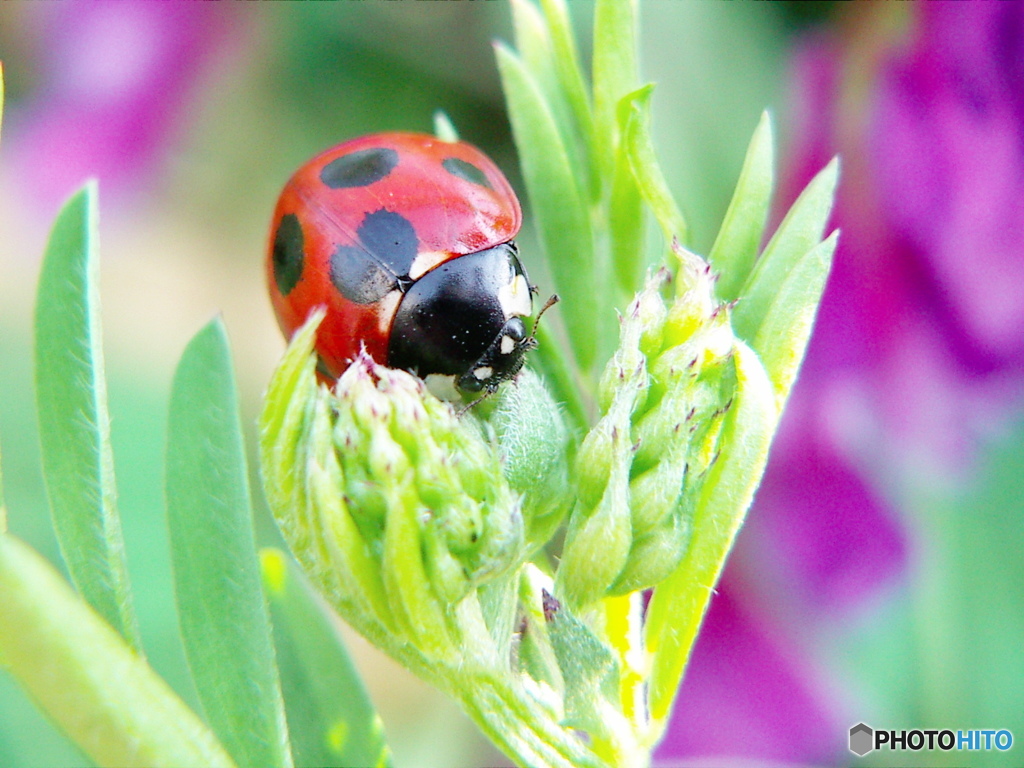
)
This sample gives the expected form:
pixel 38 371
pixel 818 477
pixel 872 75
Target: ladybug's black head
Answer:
pixel 463 322
pixel 502 360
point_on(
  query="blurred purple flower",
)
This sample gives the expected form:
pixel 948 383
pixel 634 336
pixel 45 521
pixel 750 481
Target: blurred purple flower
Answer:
pixel 112 86
pixel 747 694
pixel 948 144
pixel 919 340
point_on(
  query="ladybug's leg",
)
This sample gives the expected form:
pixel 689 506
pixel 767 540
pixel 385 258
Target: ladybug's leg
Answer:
pixel 486 393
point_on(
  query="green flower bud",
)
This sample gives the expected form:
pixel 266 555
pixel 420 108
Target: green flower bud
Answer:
pixel 463 529
pixel 652 312
pixel 325 531
pixel 695 300
pixel 624 381
pixel 446 573
pixel 688 389
pixel 594 465
pixel 663 395
pixel 532 438
pixel 598 539
pixel 668 418
pixel 599 536
pixel 421 615
pixel 654 494
pixel 653 556
pixel 396 507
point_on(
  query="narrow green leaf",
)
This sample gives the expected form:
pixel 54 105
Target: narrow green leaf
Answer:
pixel 799 232
pixel 536 49
pixel 573 84
pixel 444 129
pixel 74 427
pixel 562 217
pixel 96 688
pixel 739 238
pixel 786 328
pixel 678 603
pixel 589 669
pixel 224 622
pixel 644 162
pixel 533 43
pixel 615 72
pixel 626 214
pixel 330 716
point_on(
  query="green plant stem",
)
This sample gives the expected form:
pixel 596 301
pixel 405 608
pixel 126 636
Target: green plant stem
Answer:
pixel 505 712
pixel 522 728
pixel 490 693
pixel 86 678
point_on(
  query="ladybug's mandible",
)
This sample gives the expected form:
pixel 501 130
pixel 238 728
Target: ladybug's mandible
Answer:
pixel 406 240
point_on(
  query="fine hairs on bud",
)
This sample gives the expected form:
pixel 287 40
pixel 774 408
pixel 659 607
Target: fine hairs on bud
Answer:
pixel 415 492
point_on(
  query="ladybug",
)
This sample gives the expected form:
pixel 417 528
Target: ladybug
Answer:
pixel 407 241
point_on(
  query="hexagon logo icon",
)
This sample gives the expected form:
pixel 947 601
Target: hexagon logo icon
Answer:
pixel 861 738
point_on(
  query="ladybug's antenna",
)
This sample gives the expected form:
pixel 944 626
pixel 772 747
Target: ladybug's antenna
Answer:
pixel 552 300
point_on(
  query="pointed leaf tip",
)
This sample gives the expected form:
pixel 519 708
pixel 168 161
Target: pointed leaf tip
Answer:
pixel 74 424
pixel 800 230
pixel 735 249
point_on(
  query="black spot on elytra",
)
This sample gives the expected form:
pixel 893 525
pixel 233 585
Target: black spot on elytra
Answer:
pixel 358 276
pixel 366 272
pixel 391 238
pixel 359 169
pixel 458 167
pixel 288 254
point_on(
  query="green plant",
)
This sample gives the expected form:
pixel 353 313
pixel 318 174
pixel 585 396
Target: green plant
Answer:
pixel 397 509
pixel 432 533
pixel 79 655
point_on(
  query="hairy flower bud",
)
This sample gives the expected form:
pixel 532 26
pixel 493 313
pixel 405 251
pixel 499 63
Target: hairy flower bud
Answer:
pixel 600 530
pixel 663 396
pixel 598 539
pixel 395 505
pixel 653 556
pixel 695 300
pixel 532 438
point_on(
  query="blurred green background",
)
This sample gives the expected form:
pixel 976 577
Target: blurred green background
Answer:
pixel 193 116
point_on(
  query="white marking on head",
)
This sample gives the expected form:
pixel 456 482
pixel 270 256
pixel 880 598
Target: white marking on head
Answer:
pixel 426 261
pixel 515 298
pixel 388 308
pixel 483 373
pixel 442 387
pixel 507 344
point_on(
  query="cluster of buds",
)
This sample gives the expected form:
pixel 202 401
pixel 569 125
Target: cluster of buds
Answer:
pixel 437 535
pixel 396 506
pixel 662 397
